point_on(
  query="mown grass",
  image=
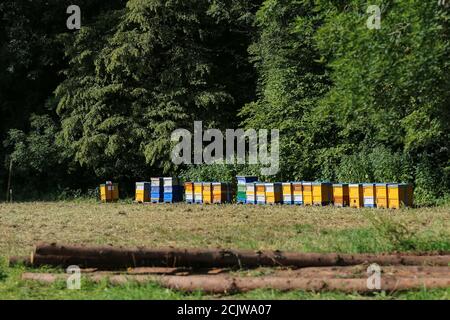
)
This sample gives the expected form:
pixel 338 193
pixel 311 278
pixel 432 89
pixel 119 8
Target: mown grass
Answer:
pixel 306 229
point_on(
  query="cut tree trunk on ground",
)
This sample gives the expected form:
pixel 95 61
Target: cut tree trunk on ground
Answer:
pixel 106 257
pixel 361 272
pixel 219 284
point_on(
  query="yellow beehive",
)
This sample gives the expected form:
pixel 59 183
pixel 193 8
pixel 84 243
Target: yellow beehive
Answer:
pixel 356 195
pixel 287 191
pixel 369 195
pixel 109 192
pixel 321 193
pixel 307 193
pixel 207 193
pixel 142 192
pixel 382 195
pixel 198 192
pixel 273 193
pixel 399 195
pixel 220 192
pixel 341 196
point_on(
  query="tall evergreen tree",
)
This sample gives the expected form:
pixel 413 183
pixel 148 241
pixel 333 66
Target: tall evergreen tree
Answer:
pixel 135 76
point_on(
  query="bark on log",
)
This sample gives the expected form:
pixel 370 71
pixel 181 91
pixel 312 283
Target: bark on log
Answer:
pixel 227 285
pixel 106 257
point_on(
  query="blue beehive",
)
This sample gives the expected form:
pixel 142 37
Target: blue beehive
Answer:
pixel 156 190
pixel 173 190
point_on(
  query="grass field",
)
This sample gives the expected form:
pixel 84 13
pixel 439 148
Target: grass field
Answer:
pixel 306 229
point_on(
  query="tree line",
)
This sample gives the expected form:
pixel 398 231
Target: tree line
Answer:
pixel 352 103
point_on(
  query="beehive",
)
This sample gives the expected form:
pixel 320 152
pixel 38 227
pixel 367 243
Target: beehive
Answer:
pixel 250 192
pixel 356 195
pixel 109 192
pixel 297 192
pixel 142 192
pixel 381 195
pixel 287 193
pixel 369 195
pixel 221 192
pixel 273 193
pixel 157 190
pixel 260 189
pixel 307 193
pixel 241 187
pixel 341 196
pixel 198 192
pixel 399 195
pixel 207 193
pixel 189 192
pixel 173 190
pixel 321 192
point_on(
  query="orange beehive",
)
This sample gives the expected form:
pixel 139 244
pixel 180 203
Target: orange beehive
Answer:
pixel 189 192
pixel 221 192
pixel 297 192
pixel 207 192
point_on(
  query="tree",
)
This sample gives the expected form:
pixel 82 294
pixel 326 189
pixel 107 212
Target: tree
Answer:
pixel 137 75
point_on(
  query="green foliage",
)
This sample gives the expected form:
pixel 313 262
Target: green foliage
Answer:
pixel 352 104
pixel 218 172
pixel 137 75
pixel 355 104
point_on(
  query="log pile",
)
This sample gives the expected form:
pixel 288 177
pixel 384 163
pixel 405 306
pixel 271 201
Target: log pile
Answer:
pixel 207 269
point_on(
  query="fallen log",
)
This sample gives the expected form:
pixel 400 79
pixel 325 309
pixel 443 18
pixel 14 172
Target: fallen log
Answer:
pixel 236 285
pixel 361 272
pixel 107 257
pixel 219 284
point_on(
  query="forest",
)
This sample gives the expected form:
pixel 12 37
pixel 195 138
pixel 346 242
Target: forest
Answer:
pixel 352 103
